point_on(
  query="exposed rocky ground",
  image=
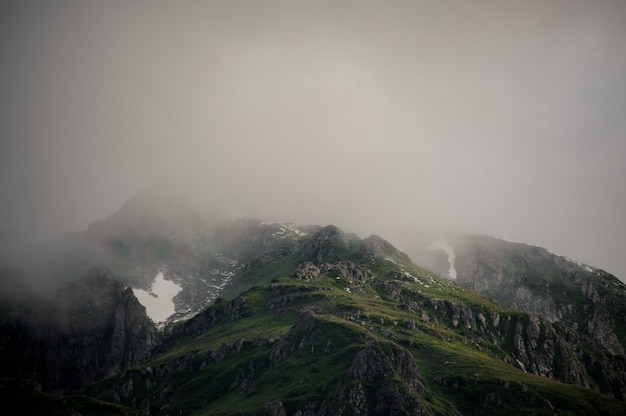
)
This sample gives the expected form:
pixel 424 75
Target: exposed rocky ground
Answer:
pixel 289 320
pixel 90 329
pixel 587 302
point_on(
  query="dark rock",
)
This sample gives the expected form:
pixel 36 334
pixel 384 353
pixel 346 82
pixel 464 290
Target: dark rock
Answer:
pixel 236 308
pixel 228 350
pixel 393 372
pixel 275 408
pixel 306 271
pixel 348 270
pixel 569 305
pixel 93 328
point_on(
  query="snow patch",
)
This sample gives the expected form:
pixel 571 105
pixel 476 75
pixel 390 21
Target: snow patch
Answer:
pixel 447 248
pixel 159 300
pixel 286 229
pixel 389 259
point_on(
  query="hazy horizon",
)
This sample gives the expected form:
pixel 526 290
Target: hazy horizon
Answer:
pixel 489 117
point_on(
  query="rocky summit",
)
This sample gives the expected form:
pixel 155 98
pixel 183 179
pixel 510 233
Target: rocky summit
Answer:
pixel 279 319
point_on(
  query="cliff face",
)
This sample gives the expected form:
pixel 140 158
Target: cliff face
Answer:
pixel 533 279
pixel 582 308
pixel 204 255
pixel 351 330
pixel 321 322
pixel 392 369
pixel 92 328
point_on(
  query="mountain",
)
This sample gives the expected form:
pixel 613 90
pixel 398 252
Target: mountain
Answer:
pixel 90 329
pixel 588 301
pixel 203 253
pixel 280 319
pixel 352 327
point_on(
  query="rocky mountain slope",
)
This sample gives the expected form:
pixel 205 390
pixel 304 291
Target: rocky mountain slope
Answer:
pixel 587 301
pixel 312 321
pixel 206 255
pixel 90 329
pixel 357 329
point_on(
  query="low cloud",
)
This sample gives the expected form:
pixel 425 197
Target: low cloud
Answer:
pixel 390 118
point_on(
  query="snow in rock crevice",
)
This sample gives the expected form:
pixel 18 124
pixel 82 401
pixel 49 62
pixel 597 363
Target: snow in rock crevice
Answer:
pixel 159 300
pixel 447 248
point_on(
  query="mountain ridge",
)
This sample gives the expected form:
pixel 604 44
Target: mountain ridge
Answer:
pixel 312 320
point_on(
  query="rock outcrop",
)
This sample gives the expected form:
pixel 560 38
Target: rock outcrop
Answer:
pixel 569 305
pixel 384 374
pixel 92 328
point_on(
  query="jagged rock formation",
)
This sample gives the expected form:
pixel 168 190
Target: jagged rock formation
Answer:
pixel 392 369
pixel 584 305
pixel 92 328
pixel 313 321
pixel 206 255
pixel 347 334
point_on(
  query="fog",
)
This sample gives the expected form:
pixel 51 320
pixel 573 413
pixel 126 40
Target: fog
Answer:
pixel 394 118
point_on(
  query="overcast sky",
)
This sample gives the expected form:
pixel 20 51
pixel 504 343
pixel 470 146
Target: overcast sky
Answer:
pixel 498 117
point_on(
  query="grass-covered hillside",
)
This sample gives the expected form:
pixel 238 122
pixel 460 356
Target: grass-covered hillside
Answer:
pixel 354 328
pixel 307 321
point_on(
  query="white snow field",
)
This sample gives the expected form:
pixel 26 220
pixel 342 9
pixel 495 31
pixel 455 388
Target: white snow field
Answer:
pixel 159 300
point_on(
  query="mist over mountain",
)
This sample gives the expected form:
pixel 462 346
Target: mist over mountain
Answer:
pixel 322 183
pixel 279 318
pixel 477 118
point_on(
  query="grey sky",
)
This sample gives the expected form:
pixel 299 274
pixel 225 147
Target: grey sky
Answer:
pixel 497 117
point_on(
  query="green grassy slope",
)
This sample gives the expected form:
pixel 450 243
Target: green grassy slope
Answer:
pixel 295 344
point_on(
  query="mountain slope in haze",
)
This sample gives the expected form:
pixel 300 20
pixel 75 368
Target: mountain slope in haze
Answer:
pixel 90 329
pixel 587 300
pixel 205 254
pixel 356 329
pixel 306 321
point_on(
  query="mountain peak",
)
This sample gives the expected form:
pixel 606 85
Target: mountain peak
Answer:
pixel 315 320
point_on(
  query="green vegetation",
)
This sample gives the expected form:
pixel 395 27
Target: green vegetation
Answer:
pixel 332 324
pixel 294 342
pixel 20 398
